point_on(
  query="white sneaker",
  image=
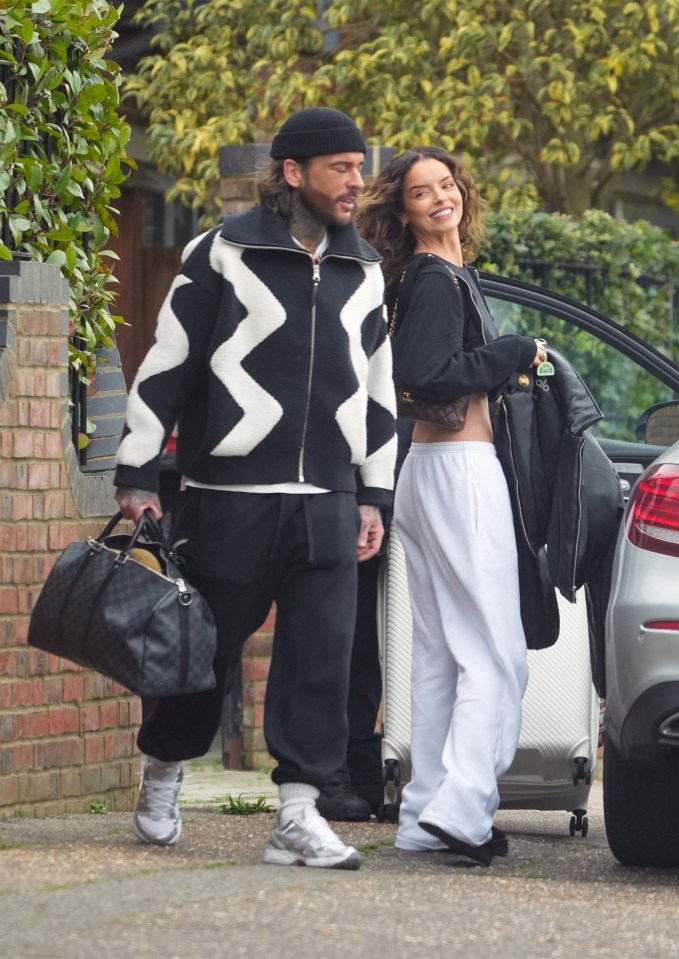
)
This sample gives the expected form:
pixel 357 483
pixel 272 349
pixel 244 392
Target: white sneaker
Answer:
pixel 307 840
pixel 156 818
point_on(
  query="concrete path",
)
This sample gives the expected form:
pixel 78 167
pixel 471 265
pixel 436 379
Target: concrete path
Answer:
pixel 81 887
pixel 206 781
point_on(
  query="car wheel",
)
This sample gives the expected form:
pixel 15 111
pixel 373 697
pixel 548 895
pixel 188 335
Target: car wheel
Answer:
pixel 640 810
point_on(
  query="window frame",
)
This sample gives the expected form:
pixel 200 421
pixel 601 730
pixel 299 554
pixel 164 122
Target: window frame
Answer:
pixel 585 318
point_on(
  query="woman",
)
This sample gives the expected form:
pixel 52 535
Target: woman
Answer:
pixel 452 509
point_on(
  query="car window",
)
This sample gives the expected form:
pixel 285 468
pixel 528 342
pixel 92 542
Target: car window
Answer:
pixel 623 389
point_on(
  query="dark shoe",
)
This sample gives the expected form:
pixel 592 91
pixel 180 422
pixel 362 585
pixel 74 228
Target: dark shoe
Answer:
pixel 372 793
pixel 481 854
pixel 340 804
pixel 500 842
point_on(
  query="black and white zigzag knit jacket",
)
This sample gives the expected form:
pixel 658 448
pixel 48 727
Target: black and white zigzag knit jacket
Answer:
pixel 274 368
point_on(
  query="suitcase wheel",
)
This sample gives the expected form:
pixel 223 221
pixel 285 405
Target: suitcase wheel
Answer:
pixel 391 772
pixel 579 822
pixel 581 770
pixel 388 812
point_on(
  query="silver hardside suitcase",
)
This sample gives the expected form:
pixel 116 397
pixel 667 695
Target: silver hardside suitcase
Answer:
pixel 557 753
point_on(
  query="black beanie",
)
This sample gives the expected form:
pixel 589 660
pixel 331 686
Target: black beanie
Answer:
pixel 316 131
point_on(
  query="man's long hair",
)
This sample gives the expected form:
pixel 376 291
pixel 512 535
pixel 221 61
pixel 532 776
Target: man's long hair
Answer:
pixel 274 193
pixel 380 208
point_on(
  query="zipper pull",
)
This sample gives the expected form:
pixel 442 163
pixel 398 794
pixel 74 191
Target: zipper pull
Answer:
pixel 185 596
pixel 316 260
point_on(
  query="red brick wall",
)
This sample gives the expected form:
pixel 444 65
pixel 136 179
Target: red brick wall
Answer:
pixel 67 735
pixel 256 663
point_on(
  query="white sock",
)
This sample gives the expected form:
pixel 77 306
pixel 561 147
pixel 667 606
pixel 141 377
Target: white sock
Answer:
pixel 162 771
pixel 294 797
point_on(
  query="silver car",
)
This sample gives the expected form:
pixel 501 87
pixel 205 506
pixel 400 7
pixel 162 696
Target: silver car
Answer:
pixel 641 755
pixel 636 669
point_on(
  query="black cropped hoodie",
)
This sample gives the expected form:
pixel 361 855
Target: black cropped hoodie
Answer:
pixel 445 344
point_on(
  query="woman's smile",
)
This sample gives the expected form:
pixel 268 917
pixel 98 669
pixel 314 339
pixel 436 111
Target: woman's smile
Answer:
pixel 433 208
pixel 442 214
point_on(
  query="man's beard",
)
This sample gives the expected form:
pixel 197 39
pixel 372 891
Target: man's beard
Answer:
pixel 321 207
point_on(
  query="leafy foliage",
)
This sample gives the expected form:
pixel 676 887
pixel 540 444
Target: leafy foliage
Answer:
pixel 63 153
pixel 546 99
pixel 629 271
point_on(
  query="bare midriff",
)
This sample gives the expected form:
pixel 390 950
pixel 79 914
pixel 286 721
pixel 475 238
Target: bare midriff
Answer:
pixel 477 427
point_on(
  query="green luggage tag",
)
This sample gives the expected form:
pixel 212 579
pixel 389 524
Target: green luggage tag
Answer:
pixel 545 369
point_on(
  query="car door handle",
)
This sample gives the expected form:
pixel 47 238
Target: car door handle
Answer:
pixel 628 474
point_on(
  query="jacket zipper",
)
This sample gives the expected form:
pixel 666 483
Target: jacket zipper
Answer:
pixel 473 299
pixel 356 258
pixel 316 261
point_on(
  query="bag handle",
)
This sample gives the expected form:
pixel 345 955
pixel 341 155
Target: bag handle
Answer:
pixel 146 520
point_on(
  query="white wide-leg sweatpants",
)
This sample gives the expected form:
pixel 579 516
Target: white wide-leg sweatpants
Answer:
pixel 469 672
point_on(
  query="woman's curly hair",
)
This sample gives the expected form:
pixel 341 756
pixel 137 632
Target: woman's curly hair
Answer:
pixel 380 208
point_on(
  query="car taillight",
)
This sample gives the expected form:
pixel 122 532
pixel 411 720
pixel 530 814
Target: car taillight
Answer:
pixel 652 520
pixel 171 446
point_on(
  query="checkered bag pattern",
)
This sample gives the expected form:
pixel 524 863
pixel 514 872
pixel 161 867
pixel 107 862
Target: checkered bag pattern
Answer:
pixel 149 630
pixel 450 414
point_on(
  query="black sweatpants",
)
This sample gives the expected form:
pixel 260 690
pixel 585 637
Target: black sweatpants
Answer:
pixel 244 551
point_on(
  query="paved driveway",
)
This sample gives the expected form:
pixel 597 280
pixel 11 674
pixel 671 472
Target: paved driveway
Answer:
pixel 81 887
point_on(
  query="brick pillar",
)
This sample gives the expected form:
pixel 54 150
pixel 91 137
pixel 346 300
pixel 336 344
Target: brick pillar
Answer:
pixel 66 734
pixel 239 167
pixel 256 662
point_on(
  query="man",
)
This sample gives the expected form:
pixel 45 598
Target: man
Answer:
pixel 271 355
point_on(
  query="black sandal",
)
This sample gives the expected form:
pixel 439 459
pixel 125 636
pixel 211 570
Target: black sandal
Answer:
pixel 500 842
pixel 480 854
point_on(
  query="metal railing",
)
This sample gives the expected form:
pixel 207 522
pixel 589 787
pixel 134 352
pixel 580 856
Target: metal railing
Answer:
pixel 595 281
pixel 542 270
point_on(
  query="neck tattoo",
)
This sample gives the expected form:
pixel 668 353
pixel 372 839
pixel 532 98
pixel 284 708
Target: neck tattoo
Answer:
pixel 306 228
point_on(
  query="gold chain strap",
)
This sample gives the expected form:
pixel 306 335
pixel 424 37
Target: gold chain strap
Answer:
pixel 392 321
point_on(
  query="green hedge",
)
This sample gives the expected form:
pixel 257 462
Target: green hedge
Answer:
pixel 633 267
pixel 62 153
pixel 628 271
